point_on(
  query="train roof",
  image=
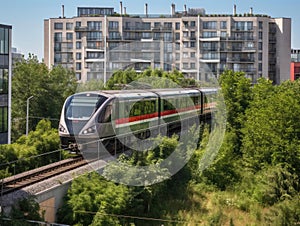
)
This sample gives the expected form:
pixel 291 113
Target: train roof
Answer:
pixel 137 93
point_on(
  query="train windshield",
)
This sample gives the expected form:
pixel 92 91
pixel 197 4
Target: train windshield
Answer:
pixel 82 106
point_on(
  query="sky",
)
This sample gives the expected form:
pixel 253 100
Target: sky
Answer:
pixel 27 16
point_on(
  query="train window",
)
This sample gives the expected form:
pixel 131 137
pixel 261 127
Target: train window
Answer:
pixel 136 109
pixel 169 104
pixel 196 100
pixel 83 106
pixel 107 114
pixel 143 107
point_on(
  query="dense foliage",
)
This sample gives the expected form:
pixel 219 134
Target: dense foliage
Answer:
pixel 28 152
pixel 254 179
pixel 49 89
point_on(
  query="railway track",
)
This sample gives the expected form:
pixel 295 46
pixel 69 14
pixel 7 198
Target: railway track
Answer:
pixel 21 180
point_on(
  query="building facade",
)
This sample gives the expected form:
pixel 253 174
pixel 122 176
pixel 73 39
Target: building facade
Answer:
pixel 99 41
pixel 295 64
pixel 5 83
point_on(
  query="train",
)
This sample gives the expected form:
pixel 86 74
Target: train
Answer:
pixel 118 117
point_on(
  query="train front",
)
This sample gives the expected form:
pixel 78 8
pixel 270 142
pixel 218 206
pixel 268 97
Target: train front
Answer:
pixel 77 113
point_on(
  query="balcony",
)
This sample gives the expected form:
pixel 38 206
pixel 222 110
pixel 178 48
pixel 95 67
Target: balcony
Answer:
pixel 210 38
pixel 240 49
pixel 115 28
pixel 242 28
pixel 209 60
pixel 209 49
pixel 114 38
pixel 81 28
pixel 162 29
pixel 133 28
pixel 248 70
pixel 240 60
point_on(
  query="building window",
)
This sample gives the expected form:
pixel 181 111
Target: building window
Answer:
pixel 78 66
pixel 223 24
pixel 95 55
pixel 167 36
pixel 113 25
pixel 114 35
pixel 193 23
pixel 157 24
pixel 260 35
pixel 193 44
pixel 78 24
pixel 185 55
pixel 177 56
pixel 260 46
pixel 260 25
pixel 156 36
pixel 70 45
pixel 243 25
pixel 177 46
pixel 78 45
pixel 78 56
pixel 58 26
pixel 260 66
pixel 223 34
pixel 147 35
pixel 3 119
pixel 185 34
pixel 78 75
pixel 69 26
pixel 209 25
pixel 78 35
pixel 3 81
pixel 193 65
pixel 209 34
pixel 58 37
pixel 69 36
pixel 57 47
pixel 177 26
pixel 193 54
pixel 4 40
pixel 94 35
pixel 186 44
pixel 167 24
pixel 146 26
pixel 94 25
pixel 177 36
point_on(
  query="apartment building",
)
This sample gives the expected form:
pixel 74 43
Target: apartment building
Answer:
pixel 99 41
pixel 5 83
pixel 295 64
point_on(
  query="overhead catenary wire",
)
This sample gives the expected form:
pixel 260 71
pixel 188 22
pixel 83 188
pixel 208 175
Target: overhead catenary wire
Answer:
pixel 138 217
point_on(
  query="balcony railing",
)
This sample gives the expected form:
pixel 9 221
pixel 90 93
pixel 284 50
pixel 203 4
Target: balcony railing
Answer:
pixel 240 60
pixel 86 28
pixel 133 28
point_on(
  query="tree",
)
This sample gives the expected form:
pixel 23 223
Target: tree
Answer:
pixel 236 89
pixel 48 88
pixel 91 194
pixel 93 84
pixel 237 93
pixel 25 209
pixel 44 139
pixel 272 127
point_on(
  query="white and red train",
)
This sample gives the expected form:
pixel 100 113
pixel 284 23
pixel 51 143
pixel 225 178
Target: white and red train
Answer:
pixel 93 116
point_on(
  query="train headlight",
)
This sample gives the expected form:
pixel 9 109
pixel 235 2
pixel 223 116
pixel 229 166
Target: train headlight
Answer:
pixel 62 129
pixel 90 130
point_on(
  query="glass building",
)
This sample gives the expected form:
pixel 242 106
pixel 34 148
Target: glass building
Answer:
pixel 5 83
